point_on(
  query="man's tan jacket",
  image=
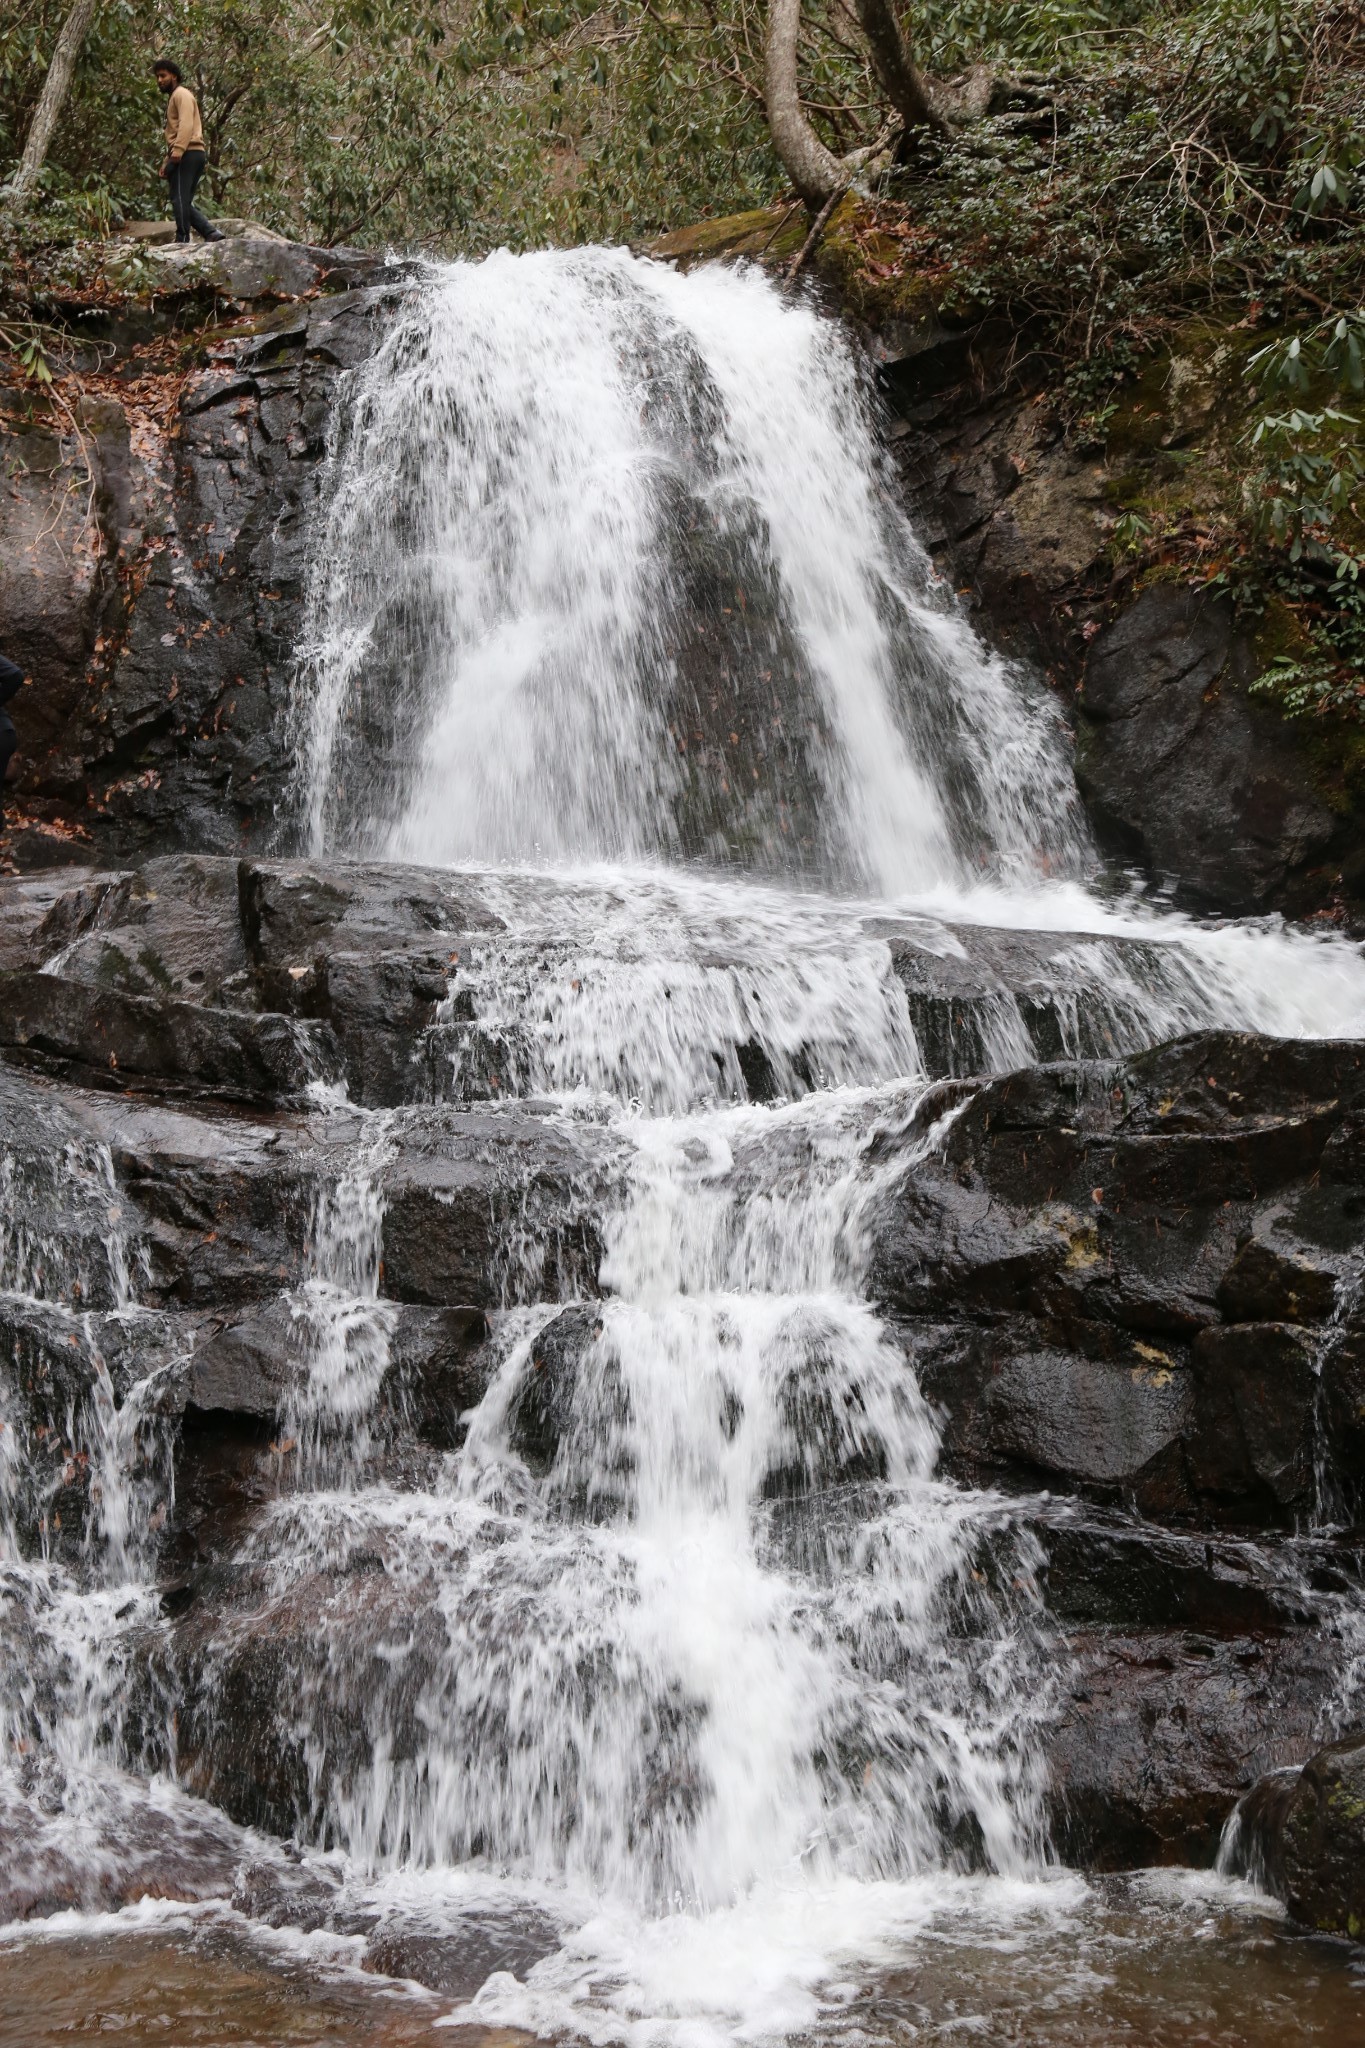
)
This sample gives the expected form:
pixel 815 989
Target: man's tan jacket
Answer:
pixel 184 129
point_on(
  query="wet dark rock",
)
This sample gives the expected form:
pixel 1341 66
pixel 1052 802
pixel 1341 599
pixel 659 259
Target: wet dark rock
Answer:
pixel 1128 1575
pixel 441 1366
pixel 983 999
pixel 162 668
pixel 493 1207
pixel 251 1661
pixel 1318 1856
pixel 1253 1441
pixel 360 955
pixel 101 1038
pixel 47 1372
pixel 1251 1844
pixel 370 949
pixel 61 1374
pixel 169 928
pixel 1061 1266
pixel 1185 772
pixel 1344 1412
pixel 295 913
pixel 25 901
pixel 1159 1733
pixel 1270 1283
pixel 438 1367
pixel 1107 1414
pixel 280 1894
pixel 541 1409
pixel 103 1861
pixel 457 1962
pixel 483 1207
pixel 247 1367
pixel 1181 769
pixel 1107 1423
pixel 1015 516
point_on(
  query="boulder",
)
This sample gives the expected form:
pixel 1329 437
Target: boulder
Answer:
pixel 1272 1283
pixel 1108 1570
pixel 1254 1437
pixel 1303 1833
pixel 984 1000
pixel 69 1843
pixel 169 928
pixel 25 901
pixel 1060 1268
pixel 438 1367
pixel 360 955
pixel 243 267
pixel 457 1962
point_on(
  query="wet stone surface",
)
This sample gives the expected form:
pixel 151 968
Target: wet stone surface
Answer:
pixel 1125 1282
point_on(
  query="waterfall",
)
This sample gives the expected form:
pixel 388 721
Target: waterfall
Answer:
pixel 613 569
pixel 688 1647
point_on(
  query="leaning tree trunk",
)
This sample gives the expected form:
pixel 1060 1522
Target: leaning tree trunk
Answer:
pixel 814 170
pixel 895 67
pixel 819 176
pixel 51 100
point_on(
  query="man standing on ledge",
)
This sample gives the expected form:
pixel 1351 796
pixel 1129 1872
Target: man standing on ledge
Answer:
pixel 186 155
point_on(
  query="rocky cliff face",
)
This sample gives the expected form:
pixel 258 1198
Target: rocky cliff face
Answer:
pixel 1186 775
pixel 153 537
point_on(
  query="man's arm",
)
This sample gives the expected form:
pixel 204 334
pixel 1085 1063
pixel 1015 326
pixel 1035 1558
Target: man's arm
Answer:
pixel 10 679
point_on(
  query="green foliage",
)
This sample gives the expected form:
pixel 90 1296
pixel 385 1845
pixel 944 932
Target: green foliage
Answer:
pixel 1306 481
pixel 956 33
pixel 461 123
pixel 1303 496
pixel 1156 133
pixel 1325 673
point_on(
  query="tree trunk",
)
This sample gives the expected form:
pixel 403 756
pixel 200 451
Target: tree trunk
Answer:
pixel 51 100
pixel 814 170
pixel 895 67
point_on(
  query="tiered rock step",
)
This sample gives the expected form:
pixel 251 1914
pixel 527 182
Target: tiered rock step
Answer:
pixel 249 980
pixel 1129 1283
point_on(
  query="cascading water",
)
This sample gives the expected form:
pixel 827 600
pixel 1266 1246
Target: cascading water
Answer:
pixel 592 450
pixel 687 1650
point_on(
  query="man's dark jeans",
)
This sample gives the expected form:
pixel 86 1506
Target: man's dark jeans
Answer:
pixel 182 179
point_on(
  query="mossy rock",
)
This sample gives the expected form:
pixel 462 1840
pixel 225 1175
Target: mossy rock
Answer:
pixel 1322 1842
pixel 766 234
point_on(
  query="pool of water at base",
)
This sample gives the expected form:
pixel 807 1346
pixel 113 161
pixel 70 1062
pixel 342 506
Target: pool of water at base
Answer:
pixel 1158 1960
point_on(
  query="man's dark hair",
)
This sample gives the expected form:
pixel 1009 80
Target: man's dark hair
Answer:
pixel 169 64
